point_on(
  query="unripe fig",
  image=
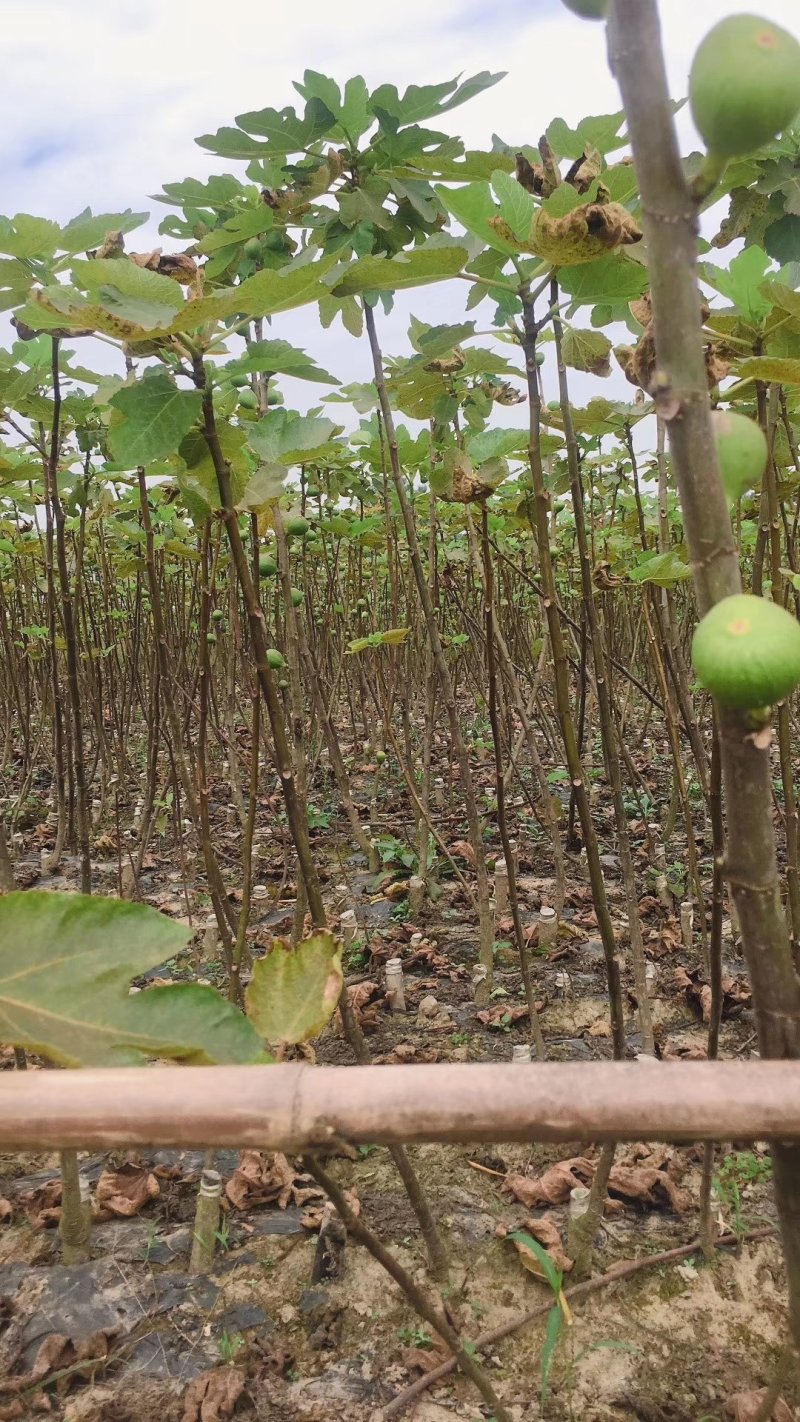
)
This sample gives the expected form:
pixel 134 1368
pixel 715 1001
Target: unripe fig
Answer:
pixel 297 597
pixel 275 658
pixel 248 399
pixel 744 85
pixel 297 527
pixel 742 450
pixel 211 638
pixel 588 9
pixel 267 567
pixel 746 651
pixel 217 615
pixel 283 684
pixel 252 249
pixel 239 381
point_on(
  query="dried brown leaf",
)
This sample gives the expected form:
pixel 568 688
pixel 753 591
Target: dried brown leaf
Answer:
pixel 545 1232
pixel 554 1186
pixel 213 1396
pixel 262 1180
pixel 744 1407
pixel 126 1191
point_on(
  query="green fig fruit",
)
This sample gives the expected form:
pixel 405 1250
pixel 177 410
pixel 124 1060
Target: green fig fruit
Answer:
pixel 253 249
pixel 744 85
pixel 275 659
pixel 297 597
pixel 267 567
pixel 588 9
pixel 742 450
pixel 211 638
pixel 746 651
pixel 217 615
pixel 248 399
pixel 296 527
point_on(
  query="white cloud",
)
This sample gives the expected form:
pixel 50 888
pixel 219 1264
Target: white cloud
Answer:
pixel 103 98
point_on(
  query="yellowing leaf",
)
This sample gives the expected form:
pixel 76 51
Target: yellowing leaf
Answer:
pixel 294 991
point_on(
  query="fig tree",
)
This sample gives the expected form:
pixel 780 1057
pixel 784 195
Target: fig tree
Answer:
pixel 744 85
pixel 746 651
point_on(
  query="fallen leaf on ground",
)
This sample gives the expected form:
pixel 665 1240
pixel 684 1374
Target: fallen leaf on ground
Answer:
pixel 6 1209
pixel 649 1185
pixel 58 1351
pixel 213 1396
pixel 311 1217
pixel 43 1205
pixel 552 1188
pixel 744 1407
pixel 423 1360
pixel 125 1191
pixel 269 1179
pixel 406 1052
pixel 464 850
pixel 545 1231
pixel 646 1185
pixel 365 1001
pixel 501 1015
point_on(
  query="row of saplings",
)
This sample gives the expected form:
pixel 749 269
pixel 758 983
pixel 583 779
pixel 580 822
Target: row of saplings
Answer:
pixel 746 650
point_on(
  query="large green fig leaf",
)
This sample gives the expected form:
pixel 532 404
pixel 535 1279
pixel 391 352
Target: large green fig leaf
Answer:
pixel 66 961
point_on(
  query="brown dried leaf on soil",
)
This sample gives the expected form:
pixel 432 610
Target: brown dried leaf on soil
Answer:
pixel 125 1191
pixel 365 1001
pixel 501 1015
pixel 552 1188
pixel 545 1231
pixel 423 1360
pixel 9 1411
pixel 267 1179
pixel 646 1185
pixel 311 1217
pixel 406 1052
pixel 464 850
pixel 744 1406
pixel 213 1395
pixel 736 995
pixel 6 1209
pixel 43 1204
pixel 682 1051
pixel 59 1351
pixel 650 1185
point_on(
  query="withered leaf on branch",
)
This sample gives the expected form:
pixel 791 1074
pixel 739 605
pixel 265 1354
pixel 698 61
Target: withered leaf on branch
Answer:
pixel 587 232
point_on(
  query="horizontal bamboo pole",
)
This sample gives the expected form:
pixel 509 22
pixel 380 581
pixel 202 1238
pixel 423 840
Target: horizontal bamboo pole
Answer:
pixel 294 1107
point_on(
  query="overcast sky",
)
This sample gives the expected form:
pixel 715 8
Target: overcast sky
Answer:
pixel 102 99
